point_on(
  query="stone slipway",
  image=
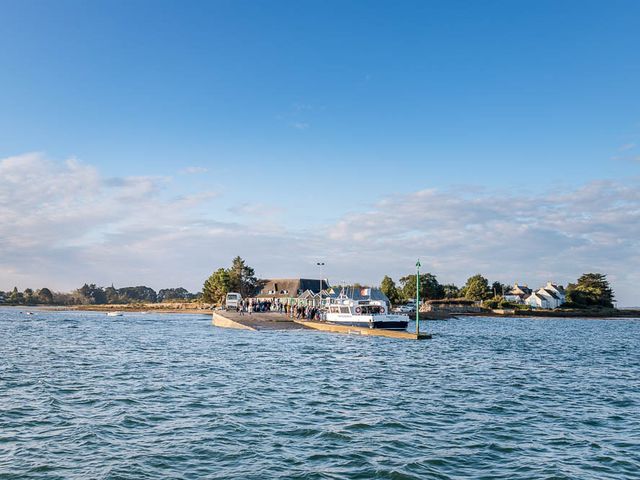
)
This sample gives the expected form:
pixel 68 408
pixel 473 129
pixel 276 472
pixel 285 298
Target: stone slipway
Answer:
pixel 255 321
pixel 375 332
pixel 277 321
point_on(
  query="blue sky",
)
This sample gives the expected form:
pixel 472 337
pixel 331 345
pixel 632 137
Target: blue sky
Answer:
pixel 298 116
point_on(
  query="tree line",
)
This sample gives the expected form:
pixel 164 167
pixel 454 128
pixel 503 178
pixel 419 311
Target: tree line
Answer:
pixel 590 290
pixel 91 294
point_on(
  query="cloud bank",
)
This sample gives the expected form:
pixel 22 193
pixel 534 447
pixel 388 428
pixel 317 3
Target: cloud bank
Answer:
pixel 63 224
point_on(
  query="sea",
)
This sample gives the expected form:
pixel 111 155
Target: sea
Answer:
pixel 157 396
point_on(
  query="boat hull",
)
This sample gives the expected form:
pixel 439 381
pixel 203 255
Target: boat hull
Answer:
pixel 384 324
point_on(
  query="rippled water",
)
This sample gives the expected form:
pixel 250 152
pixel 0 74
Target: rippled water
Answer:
pixel 83 395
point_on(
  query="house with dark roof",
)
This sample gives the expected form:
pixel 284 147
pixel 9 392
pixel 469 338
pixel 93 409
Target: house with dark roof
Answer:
pixel 290 287
pixel 550 296
pixel 518 294
pixel 537 300
pixel 558 291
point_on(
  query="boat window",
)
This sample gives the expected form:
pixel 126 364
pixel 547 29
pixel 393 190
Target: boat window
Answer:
pixel 344 309
pixel 371 309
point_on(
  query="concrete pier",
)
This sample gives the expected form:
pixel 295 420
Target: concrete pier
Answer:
pixel 255 321
pixel 376 332
pixel 278 321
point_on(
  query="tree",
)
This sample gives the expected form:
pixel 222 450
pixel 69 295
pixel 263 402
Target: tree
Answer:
pixel 476 288
pixel 137 294
pixel 242 278
pixel 29 296
pixel 430 289
pixel 112 295
pixel 44 295
pixel 591 289
pixel 216 286
pixel 15 296
pixel 451 291
pixel 388 287
pixel 499 289
pixel 174 294
pixel 92 294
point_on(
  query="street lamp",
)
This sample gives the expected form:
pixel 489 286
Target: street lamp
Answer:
pixel 320 264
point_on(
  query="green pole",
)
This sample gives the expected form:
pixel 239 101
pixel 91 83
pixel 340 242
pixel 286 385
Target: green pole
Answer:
pixel 418 297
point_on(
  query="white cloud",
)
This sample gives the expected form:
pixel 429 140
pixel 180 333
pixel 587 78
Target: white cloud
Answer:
pixel 193 170
pixel 256 209
pixel 63 223
pixel 508 237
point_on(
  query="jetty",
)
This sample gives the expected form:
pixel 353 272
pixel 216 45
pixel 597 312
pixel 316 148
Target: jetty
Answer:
pixel 256 321
pixel 270 321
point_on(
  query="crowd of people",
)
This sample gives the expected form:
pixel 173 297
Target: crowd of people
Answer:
pixel 294 310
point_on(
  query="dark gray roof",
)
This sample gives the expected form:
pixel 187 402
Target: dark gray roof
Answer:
pixel 358 293
pixel 522 288
pixel 293 287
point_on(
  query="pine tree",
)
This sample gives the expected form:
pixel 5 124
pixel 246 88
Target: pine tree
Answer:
pixel 216 287
pixel 242 278
pixel 591 289
pixel 477 288
pixel 388 287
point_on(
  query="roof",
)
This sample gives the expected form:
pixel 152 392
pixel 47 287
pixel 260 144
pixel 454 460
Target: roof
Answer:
pixel 521 288
pixel 357 293
pixel 292 286
pixel 550 292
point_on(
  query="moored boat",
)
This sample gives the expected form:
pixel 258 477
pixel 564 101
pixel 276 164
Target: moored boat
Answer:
pixel 366 312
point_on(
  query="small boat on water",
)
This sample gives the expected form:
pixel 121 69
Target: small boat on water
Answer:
pixel 364 312
pixel 114 314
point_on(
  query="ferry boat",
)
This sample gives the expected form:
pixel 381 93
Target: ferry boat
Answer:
pixel 364 312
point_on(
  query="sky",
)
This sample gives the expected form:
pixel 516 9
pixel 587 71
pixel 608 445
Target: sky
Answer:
pixel 150 142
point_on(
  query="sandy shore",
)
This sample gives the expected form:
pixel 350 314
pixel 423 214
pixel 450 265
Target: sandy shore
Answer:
pixel 150 308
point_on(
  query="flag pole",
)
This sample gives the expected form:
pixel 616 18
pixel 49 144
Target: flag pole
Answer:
pixel 418 298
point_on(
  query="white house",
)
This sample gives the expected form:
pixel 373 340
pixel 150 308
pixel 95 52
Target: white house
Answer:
pixel 537 300
pixel 518 294
pixel 558 290
pixel 550 296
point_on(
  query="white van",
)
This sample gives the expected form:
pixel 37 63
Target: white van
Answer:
pixel 232 302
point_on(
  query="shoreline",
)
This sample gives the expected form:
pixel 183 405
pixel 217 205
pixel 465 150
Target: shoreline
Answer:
pixel 185 308
pixel 145 308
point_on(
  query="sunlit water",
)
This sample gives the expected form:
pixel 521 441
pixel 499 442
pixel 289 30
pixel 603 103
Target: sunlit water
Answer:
pixel 83 396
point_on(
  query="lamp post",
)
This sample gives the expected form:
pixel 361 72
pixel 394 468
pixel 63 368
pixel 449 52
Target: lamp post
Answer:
pixel 418 297
pixel 320 264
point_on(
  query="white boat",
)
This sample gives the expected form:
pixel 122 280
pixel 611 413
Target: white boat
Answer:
pixel 365 312
pixel 114 314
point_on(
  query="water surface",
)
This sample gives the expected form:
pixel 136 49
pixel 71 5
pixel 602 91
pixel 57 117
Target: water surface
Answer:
pixel 83 396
